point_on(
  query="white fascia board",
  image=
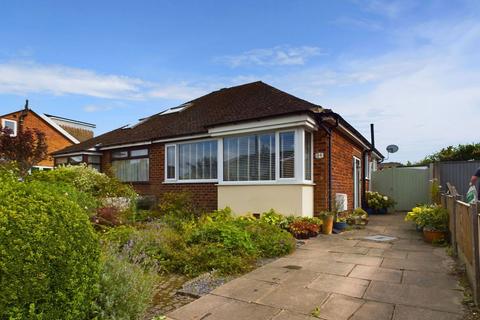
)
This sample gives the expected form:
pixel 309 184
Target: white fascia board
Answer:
pixel 90 153
pixel 121 146
pixel 58 128
pixel 302 120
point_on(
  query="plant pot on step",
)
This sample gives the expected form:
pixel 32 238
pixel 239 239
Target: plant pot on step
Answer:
pixel 340 225
pixel 432 235
pixel 327 225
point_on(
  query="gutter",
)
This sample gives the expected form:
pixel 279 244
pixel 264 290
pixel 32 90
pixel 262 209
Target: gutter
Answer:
pixel 329 131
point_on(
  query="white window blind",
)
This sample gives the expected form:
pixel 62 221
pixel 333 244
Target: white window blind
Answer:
pixel 131 170
pixel 308 155
pixel 198 160
pixel 249 158
pixel 287 154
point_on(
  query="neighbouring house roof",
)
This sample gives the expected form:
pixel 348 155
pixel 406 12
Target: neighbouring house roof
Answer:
pixel 229 105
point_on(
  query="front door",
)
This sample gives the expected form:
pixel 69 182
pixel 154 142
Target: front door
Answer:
pixel 357 187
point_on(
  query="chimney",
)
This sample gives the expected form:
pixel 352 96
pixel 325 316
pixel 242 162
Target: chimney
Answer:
pixel 372 135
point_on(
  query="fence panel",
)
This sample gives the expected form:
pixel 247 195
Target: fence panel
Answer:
pixel 464 224
pixel 408 186
pixel 457 173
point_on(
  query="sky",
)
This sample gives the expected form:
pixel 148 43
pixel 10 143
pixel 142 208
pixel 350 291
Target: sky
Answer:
pixel 410 67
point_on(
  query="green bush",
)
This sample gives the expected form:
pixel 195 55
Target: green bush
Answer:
pixel 126 289
pixel 178 205
pixel 270 240
pixel 49 253
pixel 87 180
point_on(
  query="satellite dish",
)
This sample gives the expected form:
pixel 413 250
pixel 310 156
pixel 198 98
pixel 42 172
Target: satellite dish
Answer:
pixel 392 148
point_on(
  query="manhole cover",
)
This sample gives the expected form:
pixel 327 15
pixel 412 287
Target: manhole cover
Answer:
pixel 380 238
pixel 293 267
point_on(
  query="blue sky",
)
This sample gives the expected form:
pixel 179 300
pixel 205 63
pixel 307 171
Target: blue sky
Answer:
pixel 411 67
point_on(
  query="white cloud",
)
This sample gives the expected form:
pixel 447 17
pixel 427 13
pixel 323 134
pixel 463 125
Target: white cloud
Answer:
pixel 276 56
pixel 29 77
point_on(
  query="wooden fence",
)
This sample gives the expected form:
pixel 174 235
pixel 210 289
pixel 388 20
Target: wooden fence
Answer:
pixel 463 225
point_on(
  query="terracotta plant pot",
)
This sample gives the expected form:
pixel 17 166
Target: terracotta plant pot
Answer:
pixel 327 225
pixel 433 235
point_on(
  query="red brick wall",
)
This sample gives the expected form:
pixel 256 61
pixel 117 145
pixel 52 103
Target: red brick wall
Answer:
pixel 55 140
pixel 343 151
pixel 204 195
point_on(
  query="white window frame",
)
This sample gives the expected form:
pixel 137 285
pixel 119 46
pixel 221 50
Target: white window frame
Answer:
pixel 366 169
pixel 177 162
pixel 170 145
pixel 15 129
pixel 299 161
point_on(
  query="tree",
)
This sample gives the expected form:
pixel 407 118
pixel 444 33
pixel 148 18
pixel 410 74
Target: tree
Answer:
pixel 26 149
pixel 461 152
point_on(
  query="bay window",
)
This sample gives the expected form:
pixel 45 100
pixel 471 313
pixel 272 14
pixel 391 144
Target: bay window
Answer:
pixel 249 158
pixel 131 165
pixel 287 154
pixel 308 155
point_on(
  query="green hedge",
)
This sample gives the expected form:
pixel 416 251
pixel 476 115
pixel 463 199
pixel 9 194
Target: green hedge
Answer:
pixel 49 263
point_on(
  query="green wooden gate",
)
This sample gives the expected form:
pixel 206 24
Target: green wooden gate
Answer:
pixel 408 186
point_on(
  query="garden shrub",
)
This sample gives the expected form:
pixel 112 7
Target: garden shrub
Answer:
pixel 270 240
pixel 49 253
pixel 178 205
pixel 126 289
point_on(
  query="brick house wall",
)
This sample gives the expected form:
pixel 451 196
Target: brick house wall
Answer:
pixel 343 151
pixel 55 140
pixel 204 195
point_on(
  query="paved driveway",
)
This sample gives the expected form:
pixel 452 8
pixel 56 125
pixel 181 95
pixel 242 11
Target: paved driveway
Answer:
pixel 343 277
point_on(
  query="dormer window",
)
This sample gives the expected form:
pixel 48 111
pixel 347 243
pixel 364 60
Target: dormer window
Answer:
pixel 10 124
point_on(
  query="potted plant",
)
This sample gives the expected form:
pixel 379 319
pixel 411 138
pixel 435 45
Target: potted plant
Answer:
pixel 327 219
pixel 358 217
pixel 340 222
pixel 432 219
pixel 378 203
pixel 299 229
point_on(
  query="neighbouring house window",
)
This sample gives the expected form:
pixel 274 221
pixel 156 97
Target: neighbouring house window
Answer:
pixel 75 160
pixel 131 166
pixel 249 158
pixel 308 155
pixel 287 154
pixel 197 160
pixel 10 124
pixel 60 161
pixel 171 162
pixel 94 162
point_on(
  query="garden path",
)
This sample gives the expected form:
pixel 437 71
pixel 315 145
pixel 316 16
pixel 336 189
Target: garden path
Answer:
pixel 343 277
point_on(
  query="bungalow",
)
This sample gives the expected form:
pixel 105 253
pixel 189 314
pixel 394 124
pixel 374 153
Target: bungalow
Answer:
pixel 59 132
pixel 251 147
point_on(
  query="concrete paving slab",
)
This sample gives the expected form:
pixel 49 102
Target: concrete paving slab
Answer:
pixel 245 289
pixel 357 259
pixel 294 299
pixel 287 315
pixel 341 249
pixel 412 313
pixel 419 265
pixel 430 279
pixel 347 286
pixel 372 244
pixel 387 253
pixel 434 298
pixel 374 311
pixel 240 310
pixel 376 273
pixel 301 279
pixel 271 274
pixel 339 307
pixel 199 308
pixel 330 267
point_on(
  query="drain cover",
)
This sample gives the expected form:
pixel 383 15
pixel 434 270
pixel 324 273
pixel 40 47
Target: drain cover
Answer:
pixel 380 238
pixel 293 267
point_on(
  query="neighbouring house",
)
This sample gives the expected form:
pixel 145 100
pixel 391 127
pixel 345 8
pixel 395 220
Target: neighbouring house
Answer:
pixel 251 147
pixel 59 132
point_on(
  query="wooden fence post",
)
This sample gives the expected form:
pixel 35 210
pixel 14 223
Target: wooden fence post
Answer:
pixel 476 252
pixel 454 215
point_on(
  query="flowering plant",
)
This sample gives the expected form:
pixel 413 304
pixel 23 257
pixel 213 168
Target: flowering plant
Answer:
pixel 432 217
pixel 377 200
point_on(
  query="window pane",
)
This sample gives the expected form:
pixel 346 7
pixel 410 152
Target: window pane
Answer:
pixel 94 159
pixel 198 160
pixel 308 155
pixel 171 162
pixel 59 161
pixel 133 170
pixel 287 154
pixel 139 153
pixel 11 125
pixel 76 159
pixel 249 158
pixel 119 154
